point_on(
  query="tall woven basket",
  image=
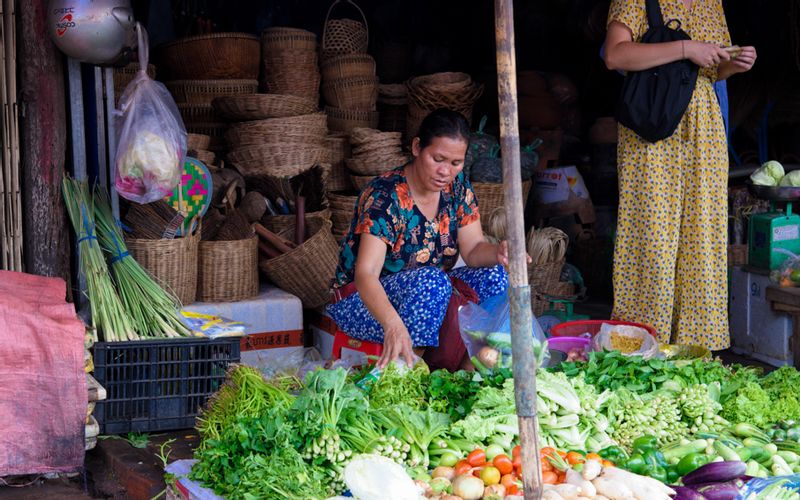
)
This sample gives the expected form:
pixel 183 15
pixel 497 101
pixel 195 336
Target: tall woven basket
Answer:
pixel 307 270
pixel 491 196
pixel 544 278
pixel 228 270
pixel 173 263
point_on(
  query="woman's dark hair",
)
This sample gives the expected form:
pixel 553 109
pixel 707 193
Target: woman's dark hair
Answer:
pixel 443 123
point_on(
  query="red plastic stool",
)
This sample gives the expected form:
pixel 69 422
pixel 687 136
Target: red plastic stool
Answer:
pixel 342 341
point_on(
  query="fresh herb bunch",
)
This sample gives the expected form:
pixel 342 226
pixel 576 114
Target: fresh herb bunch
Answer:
pixel 399 385
pixel 452 393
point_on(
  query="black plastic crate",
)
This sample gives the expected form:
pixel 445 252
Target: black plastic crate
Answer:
pixel 158 385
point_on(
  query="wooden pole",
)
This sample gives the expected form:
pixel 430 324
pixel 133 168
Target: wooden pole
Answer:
pixel 519 290
pixel 43 136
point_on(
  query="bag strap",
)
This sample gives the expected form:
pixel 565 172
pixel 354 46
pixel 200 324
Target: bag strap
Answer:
pixel 143 47
pixel 654 17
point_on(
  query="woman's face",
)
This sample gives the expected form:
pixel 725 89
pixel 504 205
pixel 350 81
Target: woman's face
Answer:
pixel 440 162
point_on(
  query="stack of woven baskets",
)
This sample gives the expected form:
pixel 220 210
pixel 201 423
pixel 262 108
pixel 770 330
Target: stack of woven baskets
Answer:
pixel 200 68
pixel 349 82
pixel 454 91
pixel 289 62
pixel 279 147
pixel 197 146
pixel 374 152
pixel 338 178
pixel 342 206
pixel 548 248
pixel 392 107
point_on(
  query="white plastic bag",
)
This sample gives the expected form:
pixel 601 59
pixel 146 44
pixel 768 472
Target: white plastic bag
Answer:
pixel 628 340
pixel 151 137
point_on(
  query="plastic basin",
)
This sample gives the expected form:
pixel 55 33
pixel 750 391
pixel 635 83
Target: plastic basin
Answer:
pixel 565 344
pixel 592 327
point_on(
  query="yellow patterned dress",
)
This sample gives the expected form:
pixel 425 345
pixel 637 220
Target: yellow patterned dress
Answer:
pixel 670 260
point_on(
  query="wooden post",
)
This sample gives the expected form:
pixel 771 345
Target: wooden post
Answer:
pixel 43 136
pixel 519 291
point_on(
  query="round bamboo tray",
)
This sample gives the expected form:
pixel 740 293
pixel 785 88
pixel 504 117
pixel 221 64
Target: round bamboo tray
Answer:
pixel 215 56
pixel 228 270
pixel 173 263
pixel 307 270
pixel 262 106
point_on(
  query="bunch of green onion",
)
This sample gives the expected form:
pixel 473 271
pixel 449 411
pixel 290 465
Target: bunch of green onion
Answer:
pixel 108 314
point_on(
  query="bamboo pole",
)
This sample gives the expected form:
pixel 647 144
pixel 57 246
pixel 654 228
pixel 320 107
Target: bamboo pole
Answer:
pixel 519 291
pixel 10 35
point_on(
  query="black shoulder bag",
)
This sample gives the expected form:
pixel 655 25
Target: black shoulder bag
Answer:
pixel 653 100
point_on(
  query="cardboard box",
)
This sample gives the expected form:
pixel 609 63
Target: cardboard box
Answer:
pixel 273 327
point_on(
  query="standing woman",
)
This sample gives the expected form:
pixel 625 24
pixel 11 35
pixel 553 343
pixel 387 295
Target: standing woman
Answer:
pixel 670 260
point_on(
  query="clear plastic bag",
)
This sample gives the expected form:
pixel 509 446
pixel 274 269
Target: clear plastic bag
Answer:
pixel 151 137
pixel 789 272
pixel 486 331
pixel 628 340
pixel 770 487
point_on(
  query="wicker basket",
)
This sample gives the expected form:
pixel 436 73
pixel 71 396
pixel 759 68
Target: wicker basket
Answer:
pixel 262 106
pixel 544 279
pixel 344 36
pixel 278 160
pixel 307 270
pixel 338 145
pixel 215 56
pixel 348 66
pixel 361 181
pixel 207 157
pixel 539 301
pixel 280 223
pixel 737 255
pixel 124 76
pixel 173 263
pixel 202 92
pixel 197 142
pixel 309 129
pixel 345 120
pixel 228 270
pixel 491 196
pixel 279 38
pixel 196 113
pixel 215 132
pixel 352 93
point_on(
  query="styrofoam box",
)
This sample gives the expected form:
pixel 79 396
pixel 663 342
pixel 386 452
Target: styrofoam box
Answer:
pixel 323 329
pixel 756 329
pixel 273 326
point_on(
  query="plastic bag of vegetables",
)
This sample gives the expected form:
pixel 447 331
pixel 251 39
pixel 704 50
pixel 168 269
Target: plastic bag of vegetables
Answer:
pixel 486 331
pixel 151 141
pixel 772 488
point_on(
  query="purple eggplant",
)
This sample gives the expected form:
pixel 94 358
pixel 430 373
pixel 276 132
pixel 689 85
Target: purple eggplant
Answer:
pixel 685 493
pixel 715 472
pixel 728 490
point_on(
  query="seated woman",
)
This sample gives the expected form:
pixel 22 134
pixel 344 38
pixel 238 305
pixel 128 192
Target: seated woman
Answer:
pixel 392 284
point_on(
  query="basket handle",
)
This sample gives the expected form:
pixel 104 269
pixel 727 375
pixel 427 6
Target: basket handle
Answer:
pixel 328 16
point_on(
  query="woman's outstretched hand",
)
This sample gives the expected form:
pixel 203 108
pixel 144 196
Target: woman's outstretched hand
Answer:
pixel 502 254
pixel 396 344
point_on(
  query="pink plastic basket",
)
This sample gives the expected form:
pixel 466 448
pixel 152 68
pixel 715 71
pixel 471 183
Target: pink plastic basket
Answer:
pixel 579 328
pixel 565 344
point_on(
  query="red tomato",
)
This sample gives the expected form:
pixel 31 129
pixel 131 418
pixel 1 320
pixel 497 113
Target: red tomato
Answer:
pixel 462 467
pixel 477 458
pixel 503 464
pixel 508 480
pixel 512 490
pixel 517 451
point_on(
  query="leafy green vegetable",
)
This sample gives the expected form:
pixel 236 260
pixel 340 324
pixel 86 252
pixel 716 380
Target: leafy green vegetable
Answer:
pixel 452 393
pixel 419 428
pixel 400 386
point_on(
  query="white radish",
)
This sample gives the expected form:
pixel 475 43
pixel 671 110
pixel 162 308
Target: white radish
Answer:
pixel 601 497
pixel 551 495
pixel 568 491
pixel 587 488
pixel 623 476
pixel 591 469
pixel 614 490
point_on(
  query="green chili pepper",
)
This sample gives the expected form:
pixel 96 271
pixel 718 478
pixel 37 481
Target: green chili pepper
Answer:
pixel 614 454
pixel 644 444
pixel 691 462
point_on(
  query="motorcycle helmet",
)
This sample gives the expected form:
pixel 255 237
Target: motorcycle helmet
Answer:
pixel 99 32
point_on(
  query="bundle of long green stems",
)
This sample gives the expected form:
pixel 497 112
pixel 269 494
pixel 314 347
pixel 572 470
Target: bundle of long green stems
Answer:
pixel 153 310
pixel 109 316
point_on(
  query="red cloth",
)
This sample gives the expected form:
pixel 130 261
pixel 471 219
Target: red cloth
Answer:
pixel 451 349
pixel 43 393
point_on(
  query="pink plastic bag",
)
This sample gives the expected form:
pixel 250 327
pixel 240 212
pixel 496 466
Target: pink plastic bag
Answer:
pixel 151 137
pixel 43 395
